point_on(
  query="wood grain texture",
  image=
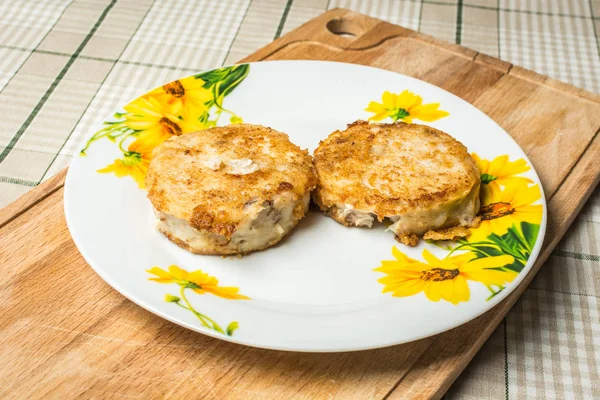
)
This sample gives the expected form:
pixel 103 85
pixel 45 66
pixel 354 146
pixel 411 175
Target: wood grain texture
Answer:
pixel 66 333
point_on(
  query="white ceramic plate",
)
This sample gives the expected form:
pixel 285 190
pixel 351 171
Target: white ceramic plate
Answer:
pixel 318 289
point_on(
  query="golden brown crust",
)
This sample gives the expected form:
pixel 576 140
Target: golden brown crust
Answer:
pixel 389 169
pixel 216 222
pixel 454 233
pixel 209 177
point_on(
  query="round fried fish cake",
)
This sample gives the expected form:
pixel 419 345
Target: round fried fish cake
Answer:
pixel 229 190
pixel 420 178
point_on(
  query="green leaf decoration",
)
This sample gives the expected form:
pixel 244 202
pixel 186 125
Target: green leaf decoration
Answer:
pixel 530 232
pixel 487 251
pixel 483 251
pixel 233 79
pixel 487 178
pixel 224 80
pixel 232 327
pixel 518 242
pixel 210 78
pixel 516 266
pixel 513 243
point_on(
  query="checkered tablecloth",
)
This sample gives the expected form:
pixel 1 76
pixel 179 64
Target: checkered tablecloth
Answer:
pixel 66 64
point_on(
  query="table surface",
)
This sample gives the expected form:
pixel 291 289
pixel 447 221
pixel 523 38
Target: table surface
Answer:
pixel 96 54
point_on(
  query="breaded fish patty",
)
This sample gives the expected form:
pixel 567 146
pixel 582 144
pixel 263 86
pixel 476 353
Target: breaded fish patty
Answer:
pixel 420 178
pixel 229 190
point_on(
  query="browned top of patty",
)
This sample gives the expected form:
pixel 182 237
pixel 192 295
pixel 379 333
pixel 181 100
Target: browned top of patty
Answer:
pixel 388 169
pixel 210 177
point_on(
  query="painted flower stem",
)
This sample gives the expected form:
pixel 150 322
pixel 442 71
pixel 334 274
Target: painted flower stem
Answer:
pixel 224 109
pixel 468 246
pixel 219 112
pixel 98 135
pixel 218 101
pixel 200 316
pixel 494 292
pixel 195 313
pixel 123 131
pixel 201 283
pixel 121 144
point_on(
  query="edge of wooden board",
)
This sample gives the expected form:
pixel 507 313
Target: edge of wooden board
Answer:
pixel 31 198
pixel 366 28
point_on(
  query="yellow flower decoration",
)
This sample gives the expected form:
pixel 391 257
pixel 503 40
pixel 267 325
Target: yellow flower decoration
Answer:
pixel 405 106
pixel 188 95
pixel 500 209
pixel 442 278
pixel 189 122
pixel 182 106
pixel 156 121
pixel 134 163
pixel 198 281
pixel 500 172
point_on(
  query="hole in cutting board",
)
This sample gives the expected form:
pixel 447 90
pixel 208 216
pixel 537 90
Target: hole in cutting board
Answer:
pixel 344 28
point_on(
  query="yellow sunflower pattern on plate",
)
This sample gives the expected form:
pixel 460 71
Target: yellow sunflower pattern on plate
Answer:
pixel 176 108
pixel 510 218
pixel 510 211
pixel 494 253
pixel 134 163
pixel 200 283
pixel 500 172
pixel 442 278
pixel 503 209
pixel 405 106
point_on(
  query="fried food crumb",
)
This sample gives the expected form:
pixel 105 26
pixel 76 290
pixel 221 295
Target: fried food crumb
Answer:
pixel 408 239
pixel 453 233
pixel 476 222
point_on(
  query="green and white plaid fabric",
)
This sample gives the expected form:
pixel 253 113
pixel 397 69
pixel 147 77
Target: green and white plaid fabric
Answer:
pixel 66 64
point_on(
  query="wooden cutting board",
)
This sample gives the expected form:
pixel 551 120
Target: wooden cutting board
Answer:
pixel 67 333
